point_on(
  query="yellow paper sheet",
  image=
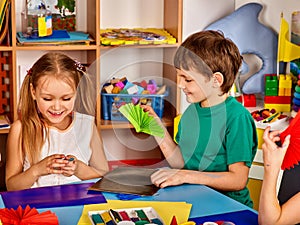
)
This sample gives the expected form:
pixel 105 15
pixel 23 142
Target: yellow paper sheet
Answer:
pixel 166 210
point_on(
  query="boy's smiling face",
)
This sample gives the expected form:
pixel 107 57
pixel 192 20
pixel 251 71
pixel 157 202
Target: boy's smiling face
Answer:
pixel 199 88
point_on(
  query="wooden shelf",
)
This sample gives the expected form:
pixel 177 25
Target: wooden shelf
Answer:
pixel 55 47
pixel 4 131
pixel 141 46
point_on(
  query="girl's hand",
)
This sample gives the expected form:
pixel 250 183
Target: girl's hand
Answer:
pixel 50 165
pixel 70 165
pixel 273 155
pixel 167 177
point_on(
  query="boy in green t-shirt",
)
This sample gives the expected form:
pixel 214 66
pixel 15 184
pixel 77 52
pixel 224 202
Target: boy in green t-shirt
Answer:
pixel 216 135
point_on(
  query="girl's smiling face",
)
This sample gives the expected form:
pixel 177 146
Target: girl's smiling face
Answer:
pixel 55 100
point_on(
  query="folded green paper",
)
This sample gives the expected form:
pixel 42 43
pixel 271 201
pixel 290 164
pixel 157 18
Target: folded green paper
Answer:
pixel 141 120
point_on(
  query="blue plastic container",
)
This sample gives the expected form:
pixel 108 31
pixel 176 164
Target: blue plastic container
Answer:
pixel 110 104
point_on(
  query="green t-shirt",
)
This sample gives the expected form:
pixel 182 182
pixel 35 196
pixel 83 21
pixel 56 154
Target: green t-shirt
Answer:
pixel 212 138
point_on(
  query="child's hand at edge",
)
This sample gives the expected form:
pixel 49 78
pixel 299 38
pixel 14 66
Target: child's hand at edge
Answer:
pixel 70 165
pixel 273 154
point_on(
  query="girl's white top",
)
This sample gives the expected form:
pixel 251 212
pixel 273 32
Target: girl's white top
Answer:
pixel 73 141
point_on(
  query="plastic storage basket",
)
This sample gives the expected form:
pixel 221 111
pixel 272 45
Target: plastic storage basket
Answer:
pixel 110 104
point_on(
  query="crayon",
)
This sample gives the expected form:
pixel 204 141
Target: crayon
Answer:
pixel 115 215
pixel 124 215
pixel 107 218
pixel 141 214
pixel 97 219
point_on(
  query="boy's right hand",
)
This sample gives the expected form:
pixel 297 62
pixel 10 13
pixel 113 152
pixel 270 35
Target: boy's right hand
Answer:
pixel 148 108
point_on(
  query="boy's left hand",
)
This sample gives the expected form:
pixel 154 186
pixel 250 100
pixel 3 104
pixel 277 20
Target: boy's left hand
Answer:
pixel 70 166
pixel 167 177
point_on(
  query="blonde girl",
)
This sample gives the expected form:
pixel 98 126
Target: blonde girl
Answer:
pixel 50 143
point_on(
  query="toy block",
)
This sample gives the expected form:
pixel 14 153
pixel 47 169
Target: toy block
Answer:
pixel 249 100
pixel 278 107
pixel 271 91
pixel 285 85
pixel 271 80
pixel 108 88
pixel 271 84
pixel 285 81
pixel 277 100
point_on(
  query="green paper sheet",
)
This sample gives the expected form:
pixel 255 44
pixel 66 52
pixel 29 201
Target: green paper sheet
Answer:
pixel 141 120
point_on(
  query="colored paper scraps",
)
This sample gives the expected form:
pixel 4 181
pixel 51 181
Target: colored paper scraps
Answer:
pixel 27 216
pixel 141 120
pixel 166 210
pixel 136 36
pixel 123 86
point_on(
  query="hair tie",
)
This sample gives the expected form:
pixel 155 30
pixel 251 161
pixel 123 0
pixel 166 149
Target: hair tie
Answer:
pixel 79 66
pixel 29 72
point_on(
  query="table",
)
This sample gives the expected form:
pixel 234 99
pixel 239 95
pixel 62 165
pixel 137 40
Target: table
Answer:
pixel 205 201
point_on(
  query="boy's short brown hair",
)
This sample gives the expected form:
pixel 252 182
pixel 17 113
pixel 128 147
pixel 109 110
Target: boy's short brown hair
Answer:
pixel 208 52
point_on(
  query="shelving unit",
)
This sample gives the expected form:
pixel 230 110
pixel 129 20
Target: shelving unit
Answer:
pixel 94 53
pixel 124 57
pixel 166 13
pixel 139 62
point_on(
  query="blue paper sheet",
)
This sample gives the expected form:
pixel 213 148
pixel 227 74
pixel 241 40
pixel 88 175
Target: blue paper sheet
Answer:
pixel 244 217
pixel 57 36
pixel 53 196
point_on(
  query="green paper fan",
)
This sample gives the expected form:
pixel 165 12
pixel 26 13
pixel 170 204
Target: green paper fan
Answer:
pixel 141 120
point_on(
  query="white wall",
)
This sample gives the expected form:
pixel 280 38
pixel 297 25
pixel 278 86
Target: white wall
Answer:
pixel 270 15
pixel 198 14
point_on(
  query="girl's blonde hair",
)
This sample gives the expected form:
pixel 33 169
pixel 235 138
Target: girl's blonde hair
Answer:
pixel 34 132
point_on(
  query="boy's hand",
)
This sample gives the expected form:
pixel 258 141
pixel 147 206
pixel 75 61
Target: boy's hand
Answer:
pixel 167 177
pixel 148 108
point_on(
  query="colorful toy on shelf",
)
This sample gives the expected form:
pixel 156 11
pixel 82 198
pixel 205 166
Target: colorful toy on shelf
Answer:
pixel 137 36
pixel 285 85
pixel 278 91
pixel 5 81
pixel 119 92
pixel 271 85
pixel 295 69
pixel 252 37
pixel 249 100
pixel 296 98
